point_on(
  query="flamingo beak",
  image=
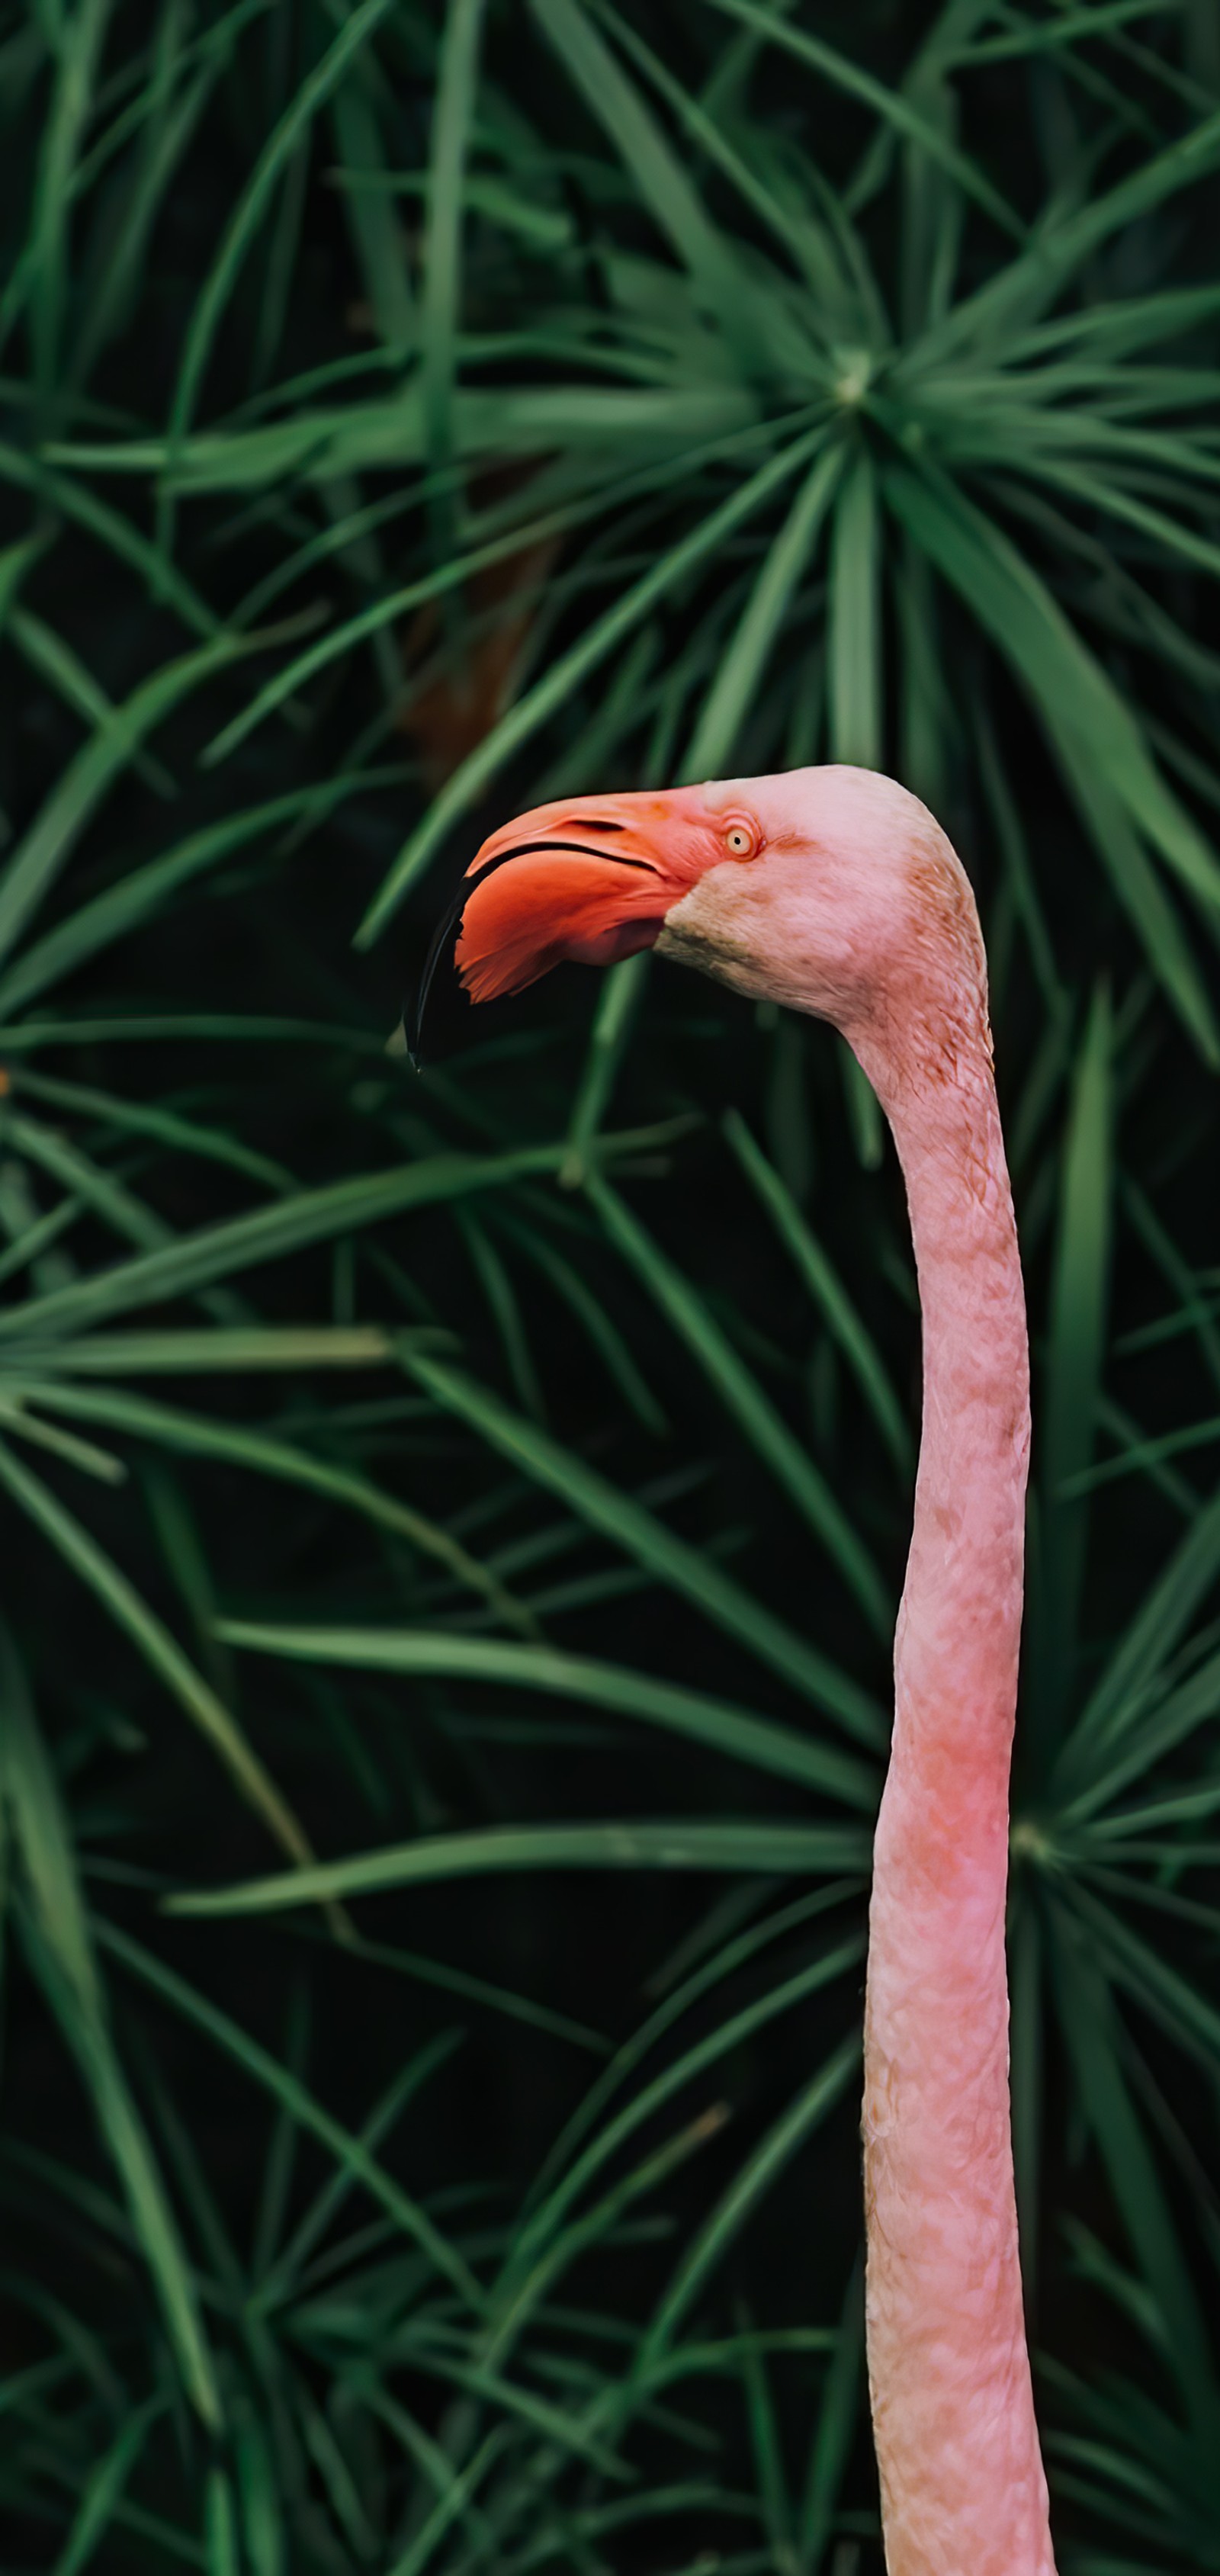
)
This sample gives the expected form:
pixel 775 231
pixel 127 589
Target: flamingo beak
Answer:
pixel 589 878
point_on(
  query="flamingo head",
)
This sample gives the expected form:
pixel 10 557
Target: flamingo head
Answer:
pixel 829 889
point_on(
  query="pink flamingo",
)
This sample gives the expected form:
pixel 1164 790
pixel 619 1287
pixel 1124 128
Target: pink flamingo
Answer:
pixel 835 892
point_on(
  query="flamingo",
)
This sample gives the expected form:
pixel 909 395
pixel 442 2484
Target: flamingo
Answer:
pixel 833 891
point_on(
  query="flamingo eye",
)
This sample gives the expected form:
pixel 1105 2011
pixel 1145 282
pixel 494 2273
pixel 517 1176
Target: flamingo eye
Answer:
pixel 739 841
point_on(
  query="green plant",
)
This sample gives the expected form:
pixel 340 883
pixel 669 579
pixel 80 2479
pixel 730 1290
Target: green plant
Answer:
pixel 411 414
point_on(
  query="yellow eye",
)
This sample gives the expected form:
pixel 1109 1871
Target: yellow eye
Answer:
pixel 738 841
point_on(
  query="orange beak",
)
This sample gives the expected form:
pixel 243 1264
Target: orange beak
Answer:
pixel 588 877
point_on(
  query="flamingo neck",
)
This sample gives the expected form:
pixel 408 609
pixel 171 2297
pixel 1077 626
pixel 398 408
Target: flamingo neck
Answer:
pixel 963 2491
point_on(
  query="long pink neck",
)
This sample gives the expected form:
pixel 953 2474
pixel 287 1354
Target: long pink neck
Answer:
pixel 962 2485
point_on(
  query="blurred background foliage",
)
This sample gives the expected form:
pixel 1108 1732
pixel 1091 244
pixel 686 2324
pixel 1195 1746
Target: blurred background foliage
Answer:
pixel 453 1523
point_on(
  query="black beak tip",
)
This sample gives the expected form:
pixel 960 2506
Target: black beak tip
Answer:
pixel 408 1038
pixel 403 1044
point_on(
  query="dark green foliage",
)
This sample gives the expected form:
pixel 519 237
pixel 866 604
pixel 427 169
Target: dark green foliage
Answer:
pixel 452 1525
